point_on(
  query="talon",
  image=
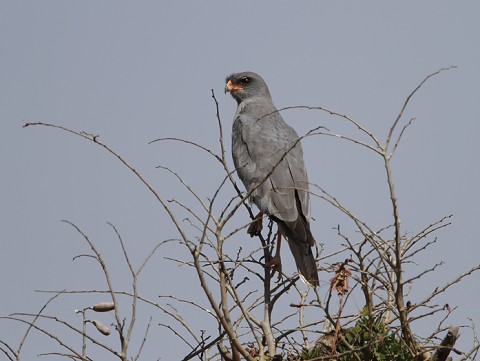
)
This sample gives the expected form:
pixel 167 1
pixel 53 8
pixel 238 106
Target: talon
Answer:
pixel 275 263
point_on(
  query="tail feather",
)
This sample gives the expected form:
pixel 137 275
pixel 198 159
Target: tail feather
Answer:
pixel 306 265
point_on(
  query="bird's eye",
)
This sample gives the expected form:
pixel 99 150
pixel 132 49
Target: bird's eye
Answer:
pixel 244 80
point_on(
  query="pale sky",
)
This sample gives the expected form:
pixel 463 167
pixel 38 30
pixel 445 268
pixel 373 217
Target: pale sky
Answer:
pixel 132 72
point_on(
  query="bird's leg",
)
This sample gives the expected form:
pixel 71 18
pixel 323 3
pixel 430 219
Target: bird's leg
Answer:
pixel 275 262
pixel 256 226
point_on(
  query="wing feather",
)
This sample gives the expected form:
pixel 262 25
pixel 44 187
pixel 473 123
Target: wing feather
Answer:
pixel 271 148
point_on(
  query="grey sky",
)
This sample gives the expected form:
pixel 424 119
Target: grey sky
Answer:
pixel 132 72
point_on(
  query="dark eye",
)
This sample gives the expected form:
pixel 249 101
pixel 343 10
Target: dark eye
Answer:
pixel 244 80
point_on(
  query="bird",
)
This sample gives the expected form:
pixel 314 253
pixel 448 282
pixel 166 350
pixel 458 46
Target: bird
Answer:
pixel 268 158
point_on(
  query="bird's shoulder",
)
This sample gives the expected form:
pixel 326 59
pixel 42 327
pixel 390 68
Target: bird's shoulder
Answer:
pixel 263 120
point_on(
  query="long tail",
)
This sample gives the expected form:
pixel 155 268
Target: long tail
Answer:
pixel 306 265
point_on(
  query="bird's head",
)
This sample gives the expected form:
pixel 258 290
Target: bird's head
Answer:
pixel 246 85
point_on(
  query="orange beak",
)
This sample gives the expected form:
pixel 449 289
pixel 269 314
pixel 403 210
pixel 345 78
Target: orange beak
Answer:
pixel 230 87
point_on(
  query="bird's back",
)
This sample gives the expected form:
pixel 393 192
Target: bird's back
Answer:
pixel 264 145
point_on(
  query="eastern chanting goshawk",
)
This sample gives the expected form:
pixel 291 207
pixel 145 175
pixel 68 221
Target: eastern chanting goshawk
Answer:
pixel 268 158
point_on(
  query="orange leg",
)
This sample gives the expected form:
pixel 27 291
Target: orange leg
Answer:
pixel 275 262
pixel 256 226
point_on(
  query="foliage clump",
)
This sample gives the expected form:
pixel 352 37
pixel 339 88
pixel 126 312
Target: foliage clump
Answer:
pixel 367 340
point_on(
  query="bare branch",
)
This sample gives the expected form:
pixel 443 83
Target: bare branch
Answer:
pixel 447 345
pixel 409 97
